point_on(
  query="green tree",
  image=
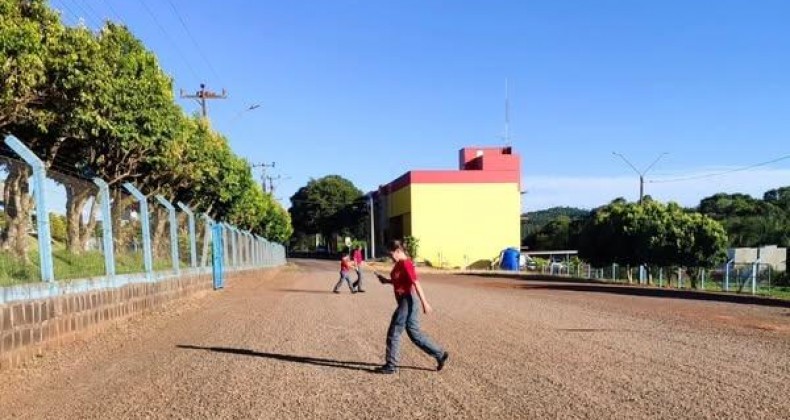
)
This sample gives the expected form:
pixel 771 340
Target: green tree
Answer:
pixel 330 205
pixel 751 222
pixel 653 234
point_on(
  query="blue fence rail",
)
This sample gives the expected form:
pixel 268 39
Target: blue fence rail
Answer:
pixel 118 246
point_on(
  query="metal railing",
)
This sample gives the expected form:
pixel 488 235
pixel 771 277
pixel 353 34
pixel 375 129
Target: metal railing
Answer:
pixel 63 233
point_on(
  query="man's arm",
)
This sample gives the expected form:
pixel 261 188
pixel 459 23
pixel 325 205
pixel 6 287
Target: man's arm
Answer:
pixel 426 307
pixel 383 279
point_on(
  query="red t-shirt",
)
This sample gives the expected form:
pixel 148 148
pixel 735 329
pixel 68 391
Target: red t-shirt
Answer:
pixel 404 277
pixel 345 264
pixel 357 256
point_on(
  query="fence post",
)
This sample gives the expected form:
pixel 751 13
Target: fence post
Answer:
pixel 727 275
pixel 171 211
pixel 703 279
pixel 218 257
pixel 192 237
pixel 233 246
pixel 208 233
pixel 661 277
pixel 257 242
pixel 106 227
pixel 754 276
pixel 250 252
pixel 42 213
pixel 225 231
pixel 614 272
pixel 246 248
pixel 146 224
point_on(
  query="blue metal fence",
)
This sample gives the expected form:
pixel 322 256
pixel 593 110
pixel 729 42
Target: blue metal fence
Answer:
pixel 230 247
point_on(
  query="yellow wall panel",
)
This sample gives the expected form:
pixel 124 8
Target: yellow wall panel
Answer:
pixel 465 224
pixel 400 202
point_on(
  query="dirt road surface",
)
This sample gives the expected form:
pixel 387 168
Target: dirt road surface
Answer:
pixel 280 346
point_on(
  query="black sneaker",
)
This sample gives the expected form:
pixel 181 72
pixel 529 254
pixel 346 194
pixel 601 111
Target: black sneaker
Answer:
pixel 386 370
pixel 441 361
pixel 360 291
pixel 335 291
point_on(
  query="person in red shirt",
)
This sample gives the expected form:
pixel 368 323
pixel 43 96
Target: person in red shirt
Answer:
pixel 404 282
pixel 345 268
pixel 358 260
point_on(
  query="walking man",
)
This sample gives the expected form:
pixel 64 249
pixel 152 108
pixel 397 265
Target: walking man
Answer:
pixel 345 267
pixel 358 261
pixel 404 281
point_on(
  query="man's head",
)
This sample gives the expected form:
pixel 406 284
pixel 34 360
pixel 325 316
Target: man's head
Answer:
pixel 397 252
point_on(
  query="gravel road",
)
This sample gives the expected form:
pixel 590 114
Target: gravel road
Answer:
pixel 278 345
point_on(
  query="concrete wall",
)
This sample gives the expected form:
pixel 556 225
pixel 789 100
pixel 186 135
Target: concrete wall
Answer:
pixel 772 255
pixel 28 328
pixel 461 225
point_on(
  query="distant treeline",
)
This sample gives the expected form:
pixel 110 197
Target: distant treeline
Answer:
pixel 748 221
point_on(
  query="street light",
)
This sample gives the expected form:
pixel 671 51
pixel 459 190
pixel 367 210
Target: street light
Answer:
pixel 241 113
pixel 641 173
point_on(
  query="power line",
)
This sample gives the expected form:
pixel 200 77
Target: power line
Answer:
pixel 84 16
pixel 167 35
pixel 194 42
pixel 113 12
pixel 745 168
pixel 63 4
pixel 94 13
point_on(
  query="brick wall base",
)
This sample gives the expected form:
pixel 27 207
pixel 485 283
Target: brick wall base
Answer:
pixel 28 328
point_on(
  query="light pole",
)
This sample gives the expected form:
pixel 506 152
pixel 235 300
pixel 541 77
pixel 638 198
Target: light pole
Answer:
pixel 640 173
pixel 252 107
pixel 372 230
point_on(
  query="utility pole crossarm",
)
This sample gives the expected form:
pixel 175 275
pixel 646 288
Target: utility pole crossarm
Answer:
pixel 202 95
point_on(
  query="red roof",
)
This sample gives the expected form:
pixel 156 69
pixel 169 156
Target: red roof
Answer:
pixel 477 165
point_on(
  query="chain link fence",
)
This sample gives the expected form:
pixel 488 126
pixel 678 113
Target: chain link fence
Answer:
pixel 77 233
pixel 18 251
pixel 748 278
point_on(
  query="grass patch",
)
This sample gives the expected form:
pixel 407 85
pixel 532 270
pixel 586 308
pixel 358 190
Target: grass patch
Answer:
pixel 69 266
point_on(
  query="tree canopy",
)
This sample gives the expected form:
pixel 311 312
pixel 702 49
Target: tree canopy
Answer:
pixel 651 233
pixel 98 104
pixel 328 206
pixel 752 222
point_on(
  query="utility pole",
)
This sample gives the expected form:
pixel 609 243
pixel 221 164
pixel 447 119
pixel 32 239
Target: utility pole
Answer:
pixel 202 95
pixel 640 173
pixel 372 230
pixel 263 167
pixel 271 180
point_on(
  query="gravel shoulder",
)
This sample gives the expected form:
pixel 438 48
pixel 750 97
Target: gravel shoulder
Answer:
pixel 278 344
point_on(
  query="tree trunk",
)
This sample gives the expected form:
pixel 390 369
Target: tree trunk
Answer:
pixel 18 204
pixel 10 188
pixel 120 204
pixel 160 233
pixel 89 229
pixel 76 198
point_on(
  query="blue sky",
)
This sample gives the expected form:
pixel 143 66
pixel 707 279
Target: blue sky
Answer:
pixel 371 89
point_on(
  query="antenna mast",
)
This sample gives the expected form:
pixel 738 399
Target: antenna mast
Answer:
pixel 507 114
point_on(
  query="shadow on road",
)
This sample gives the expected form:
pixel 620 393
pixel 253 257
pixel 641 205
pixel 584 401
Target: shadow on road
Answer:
pixel 317 292
pixel 340 364
pixel 592 330
pixel 659 293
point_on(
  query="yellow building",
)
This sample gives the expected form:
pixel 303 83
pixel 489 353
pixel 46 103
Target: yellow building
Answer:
pixel 462 218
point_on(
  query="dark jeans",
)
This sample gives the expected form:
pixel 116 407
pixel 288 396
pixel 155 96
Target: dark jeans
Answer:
pixel 407 316
pixel 343 276
pixel 358 283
